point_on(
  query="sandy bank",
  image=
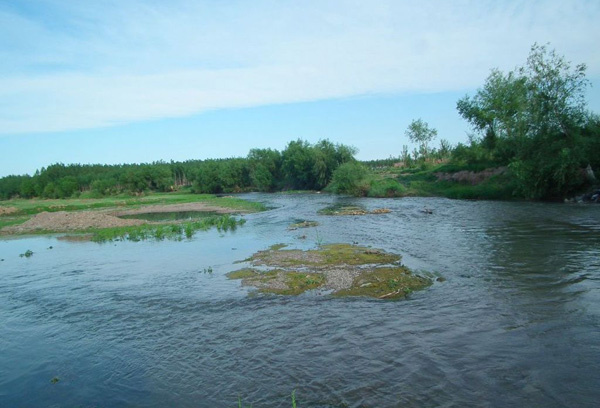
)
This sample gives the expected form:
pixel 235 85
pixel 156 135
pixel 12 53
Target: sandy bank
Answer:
pixel 63 221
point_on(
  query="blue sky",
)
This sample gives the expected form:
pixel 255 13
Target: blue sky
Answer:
pixel 136 81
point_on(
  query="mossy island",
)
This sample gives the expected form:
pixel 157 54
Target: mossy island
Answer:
pixel 336 269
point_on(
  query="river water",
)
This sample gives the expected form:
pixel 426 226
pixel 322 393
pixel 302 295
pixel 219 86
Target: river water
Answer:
pixel 516 323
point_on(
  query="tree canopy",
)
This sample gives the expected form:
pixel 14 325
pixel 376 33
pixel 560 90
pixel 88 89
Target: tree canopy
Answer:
pixel 419 132
pixel 534 119
pixel 300 166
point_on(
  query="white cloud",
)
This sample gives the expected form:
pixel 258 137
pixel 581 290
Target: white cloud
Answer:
pixel 85 66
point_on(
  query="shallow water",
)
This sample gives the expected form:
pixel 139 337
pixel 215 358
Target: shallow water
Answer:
pixel 171 215
pixel 142 324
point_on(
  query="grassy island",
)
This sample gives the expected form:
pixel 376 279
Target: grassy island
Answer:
pixel 342 269
pixel 123 217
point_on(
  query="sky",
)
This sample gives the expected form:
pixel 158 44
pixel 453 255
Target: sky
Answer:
pixel 129 81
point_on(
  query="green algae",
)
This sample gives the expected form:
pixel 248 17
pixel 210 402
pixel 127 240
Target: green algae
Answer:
pixel 346 270
pixel 325 255
pixel 350 210
pixel 303 224
pixel 242 274
pixel 26 254
pixel 345 254
pixel 385 283
pixel 298 283
pixel 343 210
pixel 278 281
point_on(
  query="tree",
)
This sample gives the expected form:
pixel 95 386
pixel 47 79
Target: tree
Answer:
pixel 533 118
pixel 264 168
pixel 419 132
pixel 350 178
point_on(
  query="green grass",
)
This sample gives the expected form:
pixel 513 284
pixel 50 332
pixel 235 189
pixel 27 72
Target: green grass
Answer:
pixel 298 283
pixel 303 224
pixel 418 182
pixel 165 231
pixel 340 209
pixel 26 208
pixel 386 283
pixel 34 206
pixel 454 167
pixel 377 273
pixel 26 254
pixel 495 188
pixel 5 221
pixel 386 187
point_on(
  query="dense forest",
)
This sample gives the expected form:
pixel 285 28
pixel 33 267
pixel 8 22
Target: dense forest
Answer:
pixel 301 166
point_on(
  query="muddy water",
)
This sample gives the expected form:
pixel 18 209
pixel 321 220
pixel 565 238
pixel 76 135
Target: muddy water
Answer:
pixel 516 323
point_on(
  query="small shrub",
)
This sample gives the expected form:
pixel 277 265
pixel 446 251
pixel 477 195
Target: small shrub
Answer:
pixel 386 188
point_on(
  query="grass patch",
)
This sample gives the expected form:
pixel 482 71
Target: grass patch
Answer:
pixel 242 274
pixel 343 210
pixel 345 254
pixel 26 254
pixel 347 269
pixel 298 283
pixel 166 231
pixel 499 187
pixel 278 281
pixel 303 224
pixel 386 283
pixel 456 167
pixel 7 221
pixel 350 210
pixel 325 255
pixel 34 206
pixel 386 187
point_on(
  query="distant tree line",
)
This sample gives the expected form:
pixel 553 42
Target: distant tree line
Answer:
pixel 300 166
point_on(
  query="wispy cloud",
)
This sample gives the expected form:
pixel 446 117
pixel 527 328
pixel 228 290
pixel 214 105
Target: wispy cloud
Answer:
pixel 71 65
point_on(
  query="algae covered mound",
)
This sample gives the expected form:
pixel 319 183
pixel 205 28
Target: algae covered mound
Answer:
pixel 351 210
pixel 302 224
pixel 341 269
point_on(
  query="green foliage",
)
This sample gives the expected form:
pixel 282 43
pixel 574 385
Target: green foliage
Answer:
pixel 496 188
pixel 10 186
pixel 300 166
pixel 534 119
pixel 419 132
pixel 350 178
pixel 166 231
pixel 386 188
pixel 24 208
pixel 306 167
pixel 264 168
pixel 26 254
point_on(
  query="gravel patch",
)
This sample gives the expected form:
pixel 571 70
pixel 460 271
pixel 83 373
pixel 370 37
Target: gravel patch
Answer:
pixel 8 210
pixel 70 221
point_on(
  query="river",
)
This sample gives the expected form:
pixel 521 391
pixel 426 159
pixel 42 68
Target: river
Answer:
pixel 516 323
